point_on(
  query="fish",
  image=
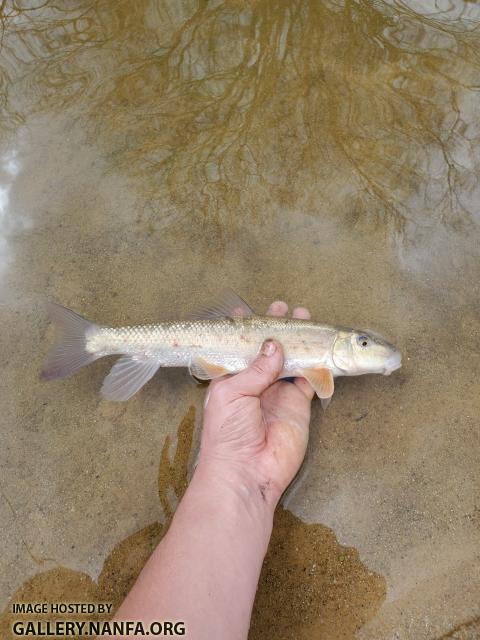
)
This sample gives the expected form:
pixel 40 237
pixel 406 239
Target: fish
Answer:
pixel 218 339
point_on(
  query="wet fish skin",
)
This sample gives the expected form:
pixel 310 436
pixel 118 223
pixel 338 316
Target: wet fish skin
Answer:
pixel 229 342
pixel 214 344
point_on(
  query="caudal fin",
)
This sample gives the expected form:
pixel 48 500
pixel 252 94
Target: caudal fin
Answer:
pixel 69 351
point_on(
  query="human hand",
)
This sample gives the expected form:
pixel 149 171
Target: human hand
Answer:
pixel 206 568
pixel 257 427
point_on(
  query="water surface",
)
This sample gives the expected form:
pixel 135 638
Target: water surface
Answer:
pixel 325 153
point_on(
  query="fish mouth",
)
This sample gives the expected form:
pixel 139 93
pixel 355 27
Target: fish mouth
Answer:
pixel 393 363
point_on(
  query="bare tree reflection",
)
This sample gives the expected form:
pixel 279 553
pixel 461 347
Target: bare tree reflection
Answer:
pixel 242 106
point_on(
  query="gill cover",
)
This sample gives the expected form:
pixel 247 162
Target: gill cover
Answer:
pixel 342 356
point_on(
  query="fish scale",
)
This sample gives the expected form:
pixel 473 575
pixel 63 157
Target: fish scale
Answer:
pixel 223 338
pixel 233 340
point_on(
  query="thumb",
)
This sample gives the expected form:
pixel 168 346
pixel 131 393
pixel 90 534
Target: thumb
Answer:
pixel 263 371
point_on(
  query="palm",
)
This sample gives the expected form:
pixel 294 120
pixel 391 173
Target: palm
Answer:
pixel 285 415
pixel 283 420
pixel 285 403
pixel 268 432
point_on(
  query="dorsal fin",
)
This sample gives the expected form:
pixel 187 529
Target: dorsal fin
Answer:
pixel 227 305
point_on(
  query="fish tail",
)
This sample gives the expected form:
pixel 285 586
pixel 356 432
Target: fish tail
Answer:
pixel 69 352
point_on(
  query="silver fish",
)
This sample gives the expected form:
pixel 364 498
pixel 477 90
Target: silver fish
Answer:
pixel 220 339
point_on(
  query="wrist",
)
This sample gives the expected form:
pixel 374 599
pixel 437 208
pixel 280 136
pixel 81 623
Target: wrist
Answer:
pixel 236 496
pixel 244 476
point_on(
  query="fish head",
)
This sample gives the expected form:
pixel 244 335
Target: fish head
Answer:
pixel 356 352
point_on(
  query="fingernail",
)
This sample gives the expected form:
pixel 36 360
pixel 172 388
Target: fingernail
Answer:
pixel 269 348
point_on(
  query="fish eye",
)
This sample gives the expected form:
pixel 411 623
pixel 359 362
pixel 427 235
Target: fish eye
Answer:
pixel 363 341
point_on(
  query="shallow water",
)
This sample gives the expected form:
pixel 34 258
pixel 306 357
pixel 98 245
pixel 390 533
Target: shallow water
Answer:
pixel 325 153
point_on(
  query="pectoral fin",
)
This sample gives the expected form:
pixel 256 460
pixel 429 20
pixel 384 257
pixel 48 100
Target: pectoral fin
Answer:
pixel 325 402
pixel 322 381
pixel 205 370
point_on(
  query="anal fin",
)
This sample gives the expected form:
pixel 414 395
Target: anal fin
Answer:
pixel 128 375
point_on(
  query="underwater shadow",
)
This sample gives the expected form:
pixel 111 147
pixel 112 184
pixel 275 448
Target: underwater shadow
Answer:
pixel 310 585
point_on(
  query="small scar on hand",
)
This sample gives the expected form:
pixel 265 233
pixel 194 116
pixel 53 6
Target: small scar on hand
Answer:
pixel 263 489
